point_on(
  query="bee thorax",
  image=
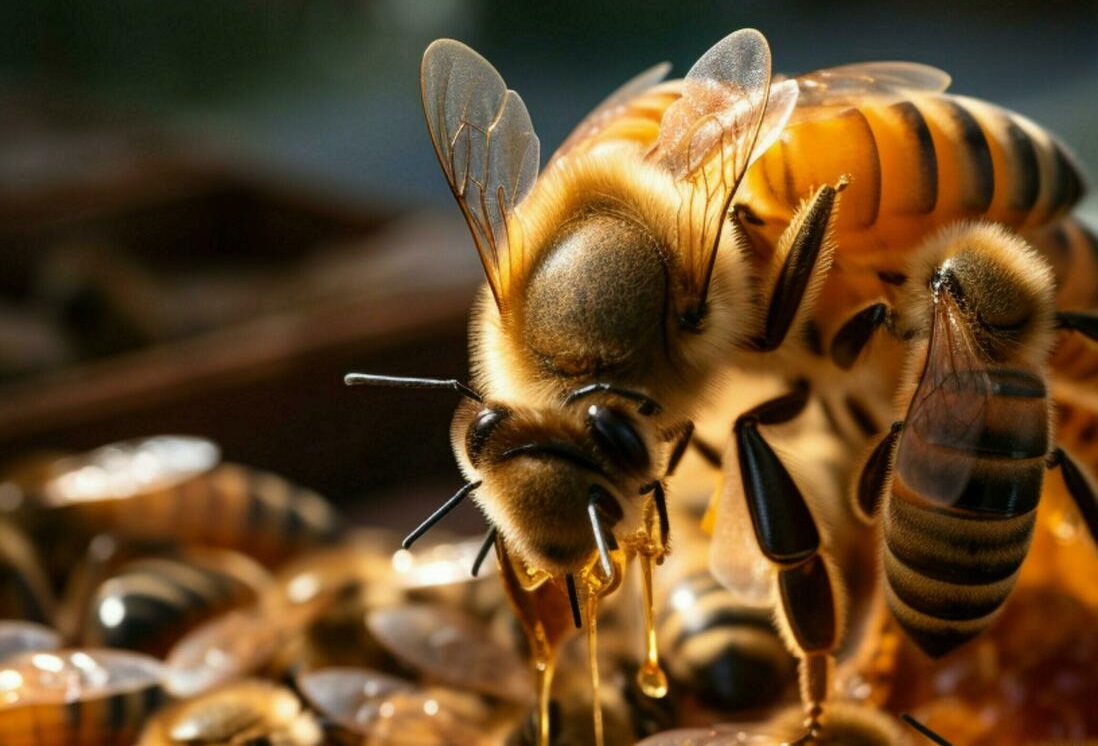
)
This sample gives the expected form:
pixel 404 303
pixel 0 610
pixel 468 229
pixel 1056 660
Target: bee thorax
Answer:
pixel 597 301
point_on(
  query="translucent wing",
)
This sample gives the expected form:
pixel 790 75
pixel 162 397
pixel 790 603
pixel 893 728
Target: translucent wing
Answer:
pixel 707 139
pixel 849 84
pixel 735 558
pixel 611 108
pixel 450 647
pixel 487 148
pixel 949 408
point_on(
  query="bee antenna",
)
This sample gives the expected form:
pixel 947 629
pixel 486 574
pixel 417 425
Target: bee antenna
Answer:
pixel 489 540
pixel 924 730
pixel 573 600
pixel 645 405
pixel 439 514
pixel 397 382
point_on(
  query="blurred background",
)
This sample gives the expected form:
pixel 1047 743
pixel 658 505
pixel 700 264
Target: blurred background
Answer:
pixel 210 210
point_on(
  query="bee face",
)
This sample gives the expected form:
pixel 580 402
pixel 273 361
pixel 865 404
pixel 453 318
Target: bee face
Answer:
pixel 541 466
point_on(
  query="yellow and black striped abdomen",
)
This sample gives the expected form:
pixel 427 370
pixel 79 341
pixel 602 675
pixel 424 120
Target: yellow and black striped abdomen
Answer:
pixel 727 655
pixel 915 164
pixel 960 515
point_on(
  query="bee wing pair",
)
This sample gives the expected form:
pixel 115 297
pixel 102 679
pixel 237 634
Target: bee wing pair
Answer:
pixel 952 397
pixel 486 145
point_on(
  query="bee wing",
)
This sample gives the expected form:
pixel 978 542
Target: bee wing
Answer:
pixel 339 694
pixel 727 113
pixel 487 148
pixel 852 84
pixel 949 408
pixel 610 109
pixel 450 647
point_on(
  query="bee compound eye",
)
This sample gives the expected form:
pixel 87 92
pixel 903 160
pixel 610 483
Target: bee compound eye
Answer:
pixel 617 436
pixel 481 429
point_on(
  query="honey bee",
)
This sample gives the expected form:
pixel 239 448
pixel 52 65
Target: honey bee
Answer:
pixel 172 490
pixel 148 604
pixel 247 712
pixel 957 482
pixel 77 697
pixel 615 290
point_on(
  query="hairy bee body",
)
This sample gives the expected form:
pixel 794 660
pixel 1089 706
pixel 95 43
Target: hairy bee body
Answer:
pixel 969 464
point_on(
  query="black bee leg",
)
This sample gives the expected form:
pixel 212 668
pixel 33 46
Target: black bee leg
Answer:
pixel 855 334
pixel 924 730
pixel 1079 487
pixel 787 534
pixel 1084 323
pixel 680 448
pixel 709 453
pixel 659 495
pixel 439 514
pixel 806 238
pixel 604 539
pixel 874 479
pixel 573 600
pixel 489 542
pixel 659 500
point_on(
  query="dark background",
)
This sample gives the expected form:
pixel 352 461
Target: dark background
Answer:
pixel 241 147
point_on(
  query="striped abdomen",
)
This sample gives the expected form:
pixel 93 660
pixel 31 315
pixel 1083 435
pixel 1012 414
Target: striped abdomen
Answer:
pixel 728 655
pixel 916 164
pixel 960 515
pixel 151 603
pixel 258 513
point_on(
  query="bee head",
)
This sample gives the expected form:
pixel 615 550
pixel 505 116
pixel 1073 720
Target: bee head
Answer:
pixel 543 468
pixel 1001 288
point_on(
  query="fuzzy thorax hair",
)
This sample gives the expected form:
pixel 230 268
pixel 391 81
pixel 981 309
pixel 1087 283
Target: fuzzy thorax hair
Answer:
pixel 615 180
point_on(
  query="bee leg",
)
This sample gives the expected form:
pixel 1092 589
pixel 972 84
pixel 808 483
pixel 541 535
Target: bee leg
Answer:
pixel 806 238
pixel 573 600
pixel 680 448
pixel 659 501
pixel 659 494
pixel 924 730
pixel 855 334
pixel 1084 323
pixel 1079 487
pixel 788 536
pixel 874 479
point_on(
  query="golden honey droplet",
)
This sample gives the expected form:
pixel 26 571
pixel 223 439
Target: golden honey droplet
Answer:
pixel 650 677
pixel 652 681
